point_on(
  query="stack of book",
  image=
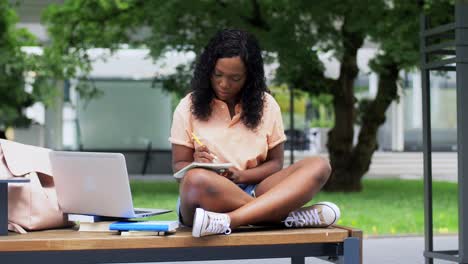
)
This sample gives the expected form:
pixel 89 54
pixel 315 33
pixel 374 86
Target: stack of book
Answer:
pixel 93 223
pixel 124 227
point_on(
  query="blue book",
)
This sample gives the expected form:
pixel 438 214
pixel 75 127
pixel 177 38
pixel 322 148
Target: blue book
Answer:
pixel 166 226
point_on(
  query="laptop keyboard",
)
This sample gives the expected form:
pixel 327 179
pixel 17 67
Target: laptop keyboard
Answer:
pixel 140 211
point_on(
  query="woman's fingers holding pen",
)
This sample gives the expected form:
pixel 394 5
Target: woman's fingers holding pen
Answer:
pixel 202 154
pixel 202 149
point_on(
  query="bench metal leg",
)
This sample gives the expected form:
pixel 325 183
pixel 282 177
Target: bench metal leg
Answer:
pixel 3 208
pixel 297 260
pixel 352 251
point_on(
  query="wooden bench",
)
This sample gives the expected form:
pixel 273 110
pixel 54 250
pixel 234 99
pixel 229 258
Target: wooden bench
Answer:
pixel 69 246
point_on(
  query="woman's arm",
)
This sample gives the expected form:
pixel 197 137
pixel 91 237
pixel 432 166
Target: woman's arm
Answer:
pixel 272 164
pixel 181 156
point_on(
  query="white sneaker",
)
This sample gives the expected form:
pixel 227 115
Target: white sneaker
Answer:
pixel 321 214
pixel 207 223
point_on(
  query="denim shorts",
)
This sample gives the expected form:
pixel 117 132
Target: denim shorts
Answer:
pixel 248 188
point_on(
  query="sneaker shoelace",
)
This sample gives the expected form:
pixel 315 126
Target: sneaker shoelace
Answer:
pixel 303 218
pixel 218 224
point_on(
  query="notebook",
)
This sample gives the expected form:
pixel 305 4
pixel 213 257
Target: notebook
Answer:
pixel 144 233
pixel 95 184
pixel 218 167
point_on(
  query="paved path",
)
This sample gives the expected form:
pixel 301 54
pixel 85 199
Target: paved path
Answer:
pixel 403 165
pixel 381 250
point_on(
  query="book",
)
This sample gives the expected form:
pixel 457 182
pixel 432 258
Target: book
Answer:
pixel 164 226
pixel 218 167
pixel 91 218
pixel 144 233
pixel 102 226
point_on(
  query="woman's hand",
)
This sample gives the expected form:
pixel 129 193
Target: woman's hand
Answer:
pixel 202 154
pixel 233 174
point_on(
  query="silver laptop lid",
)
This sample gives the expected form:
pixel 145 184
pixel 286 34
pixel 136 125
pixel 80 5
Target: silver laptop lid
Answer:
pixel 92 183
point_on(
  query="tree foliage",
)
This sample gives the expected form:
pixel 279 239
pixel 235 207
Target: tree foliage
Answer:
pixel 290 32
pixel 27 77
pixel 13 65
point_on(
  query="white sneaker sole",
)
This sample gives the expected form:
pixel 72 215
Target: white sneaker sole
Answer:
pixel 198 220
pixel 335 209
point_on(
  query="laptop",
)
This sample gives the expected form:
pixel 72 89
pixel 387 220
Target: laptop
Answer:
pixel 95 184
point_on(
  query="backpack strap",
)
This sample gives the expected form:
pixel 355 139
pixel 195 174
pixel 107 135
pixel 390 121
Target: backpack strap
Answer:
pixel 16 228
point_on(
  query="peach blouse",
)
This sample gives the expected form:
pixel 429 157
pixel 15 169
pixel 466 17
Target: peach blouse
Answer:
pixel 229 139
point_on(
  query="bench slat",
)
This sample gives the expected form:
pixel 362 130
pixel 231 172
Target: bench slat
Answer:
pixel 68 239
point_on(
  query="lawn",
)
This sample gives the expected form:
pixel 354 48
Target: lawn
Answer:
pixel 384 207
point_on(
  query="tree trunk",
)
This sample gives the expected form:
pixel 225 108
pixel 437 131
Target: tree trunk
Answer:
pixel 350 164
pixel 372 119
pixel 340 137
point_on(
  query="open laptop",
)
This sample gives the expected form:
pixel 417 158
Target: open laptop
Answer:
pixel 95 184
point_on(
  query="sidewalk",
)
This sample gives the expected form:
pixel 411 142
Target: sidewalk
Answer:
pixel 403 249
pixel 402 165
pixel 385 250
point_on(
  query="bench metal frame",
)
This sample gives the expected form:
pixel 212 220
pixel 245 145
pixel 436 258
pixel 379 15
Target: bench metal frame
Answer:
pixel 347 252
pixel 454 48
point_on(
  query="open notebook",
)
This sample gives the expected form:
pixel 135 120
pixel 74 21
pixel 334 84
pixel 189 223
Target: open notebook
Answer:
pixel 218 167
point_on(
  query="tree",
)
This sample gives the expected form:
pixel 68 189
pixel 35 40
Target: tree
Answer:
pixel 397 32
pixel 27 78
pixel 13 65
pixel 292 32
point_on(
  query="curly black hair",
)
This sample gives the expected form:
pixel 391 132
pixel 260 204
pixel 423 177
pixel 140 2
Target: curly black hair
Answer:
pixel 230 43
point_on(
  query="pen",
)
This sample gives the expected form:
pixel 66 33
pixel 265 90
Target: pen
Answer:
pixel 201 144
pixel 197 140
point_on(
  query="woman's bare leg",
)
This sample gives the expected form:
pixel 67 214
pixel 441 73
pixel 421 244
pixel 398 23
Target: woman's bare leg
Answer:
pixel 283 192
pixel 210 191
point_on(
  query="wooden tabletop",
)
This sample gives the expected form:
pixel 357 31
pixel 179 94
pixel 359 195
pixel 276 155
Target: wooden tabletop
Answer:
pixel 69 239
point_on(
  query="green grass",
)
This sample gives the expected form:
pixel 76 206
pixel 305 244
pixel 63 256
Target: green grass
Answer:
pixel 384 207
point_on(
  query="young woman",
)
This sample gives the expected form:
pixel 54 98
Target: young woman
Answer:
pixel 236 120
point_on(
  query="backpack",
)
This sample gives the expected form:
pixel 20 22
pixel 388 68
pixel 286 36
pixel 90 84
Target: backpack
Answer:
pixel 32 205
